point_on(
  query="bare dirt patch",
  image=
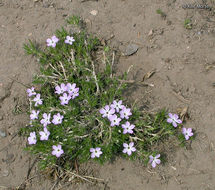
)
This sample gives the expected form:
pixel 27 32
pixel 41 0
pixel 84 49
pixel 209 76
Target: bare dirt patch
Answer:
pixel 184 64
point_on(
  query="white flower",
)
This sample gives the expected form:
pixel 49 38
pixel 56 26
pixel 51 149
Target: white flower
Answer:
pixel 69 40
pixel 37 100
pixel 34 114
pixel 95 152
pixel 129 148
pixel 44 135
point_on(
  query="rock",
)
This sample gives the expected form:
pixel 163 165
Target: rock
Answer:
pixel 5 173
pixel 2 133
pixel 150 33
pixel 94 12
pixel 131 49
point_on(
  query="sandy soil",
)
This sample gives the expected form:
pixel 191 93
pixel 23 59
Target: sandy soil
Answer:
pixel 185 73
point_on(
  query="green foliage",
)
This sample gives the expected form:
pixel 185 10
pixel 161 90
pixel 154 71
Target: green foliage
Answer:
pixel 83 127
pixel 160 12
pixel 188 24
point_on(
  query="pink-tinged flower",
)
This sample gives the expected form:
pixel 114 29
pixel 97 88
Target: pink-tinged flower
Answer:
pixel 61 89
pixel 117 105
pixel 95 152
pixel 187 133
pixel 32 139
pixel 107 111
pixel 125 113
pixel 114 120
pixel 34 114
pixel 57 119
pixel 46 119
pixel 128 148
pixel 154 160
pixel 44 135
pixel 173 118
pixel 31 92
pixel 65 99
pixel 52 41
pixel 69 40
pixel 128 128
pixel 70 87
pixel 38 100
pixel 57 150
pixel 75 93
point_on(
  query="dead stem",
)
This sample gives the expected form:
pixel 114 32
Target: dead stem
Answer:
pixel 64 73
pixel 96 81
pixel 55 69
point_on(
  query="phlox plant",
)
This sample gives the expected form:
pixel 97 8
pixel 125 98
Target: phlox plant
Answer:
pixel 77 111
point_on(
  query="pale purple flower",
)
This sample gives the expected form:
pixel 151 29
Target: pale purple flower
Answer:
pixel 107 111
pixel 31 92
pixel 128 148
pixel 154 160
pixel 61 89
pixel 173 118
pixel 117 105
pixel 65 99
pixel 187 133
pixel 125 113
pixel 46 119
pixel 128 128
pixel 57 119
pixel 57 150
pixel 44 135
pixel 69 40
pixel 95 152
pixel 114 120
pixel 75 93
pixel 34 114
pixel 52 41
pixel 32 139
pixel 38 100
pixel 70 87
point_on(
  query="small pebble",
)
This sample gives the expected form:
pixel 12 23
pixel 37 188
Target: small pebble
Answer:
pixel 2 134
pixel 131 49
pixel 94 12
pixel 5 173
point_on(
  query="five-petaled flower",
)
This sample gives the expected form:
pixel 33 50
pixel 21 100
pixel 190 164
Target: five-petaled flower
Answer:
pixel 154 160
pixel 107 111
pixel 187 133
pixel 70 87
pixel 38 100
pixel 31 92
pixel 46 119
pixel 57 119
pixel 128 148
pixel 60 89
pixel 69 40
pixel 95 152
pixel 52 41
pixel 32 139
pixel 125 113
pixel 128 128
pixel 44 135
pixel 65 98
pixel 34 114
pixel 57 150
pixel 114 120
pixel 75 93
pixel 174 119
pixel 117 105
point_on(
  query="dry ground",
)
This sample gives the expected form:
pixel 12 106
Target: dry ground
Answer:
pixel 185 77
